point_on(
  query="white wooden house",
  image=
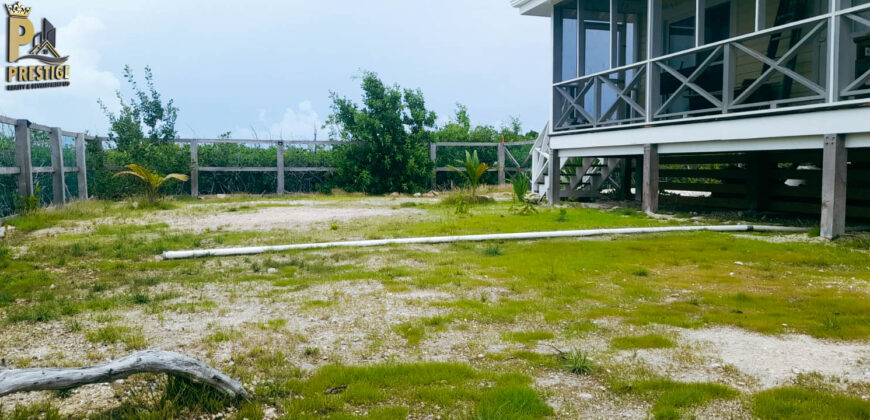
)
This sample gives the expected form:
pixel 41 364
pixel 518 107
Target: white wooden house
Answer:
pixel 663 91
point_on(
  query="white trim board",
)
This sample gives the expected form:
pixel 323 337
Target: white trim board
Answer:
pixel 788 127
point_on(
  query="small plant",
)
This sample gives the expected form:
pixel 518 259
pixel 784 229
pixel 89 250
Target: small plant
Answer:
pixel 577 362
pixel 152 181
pixel 472 170
pixel 462 208
pixel 522 185
pixel 563 216
pixel 311 351
pixel 492 250
pixel 28 204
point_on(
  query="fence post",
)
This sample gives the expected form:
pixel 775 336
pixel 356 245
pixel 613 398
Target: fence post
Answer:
pixel 81 163
pixel 433 156
pixel 22 158
pixel 58 181
pixel 501 163
pixel 280 167
pixel 194 168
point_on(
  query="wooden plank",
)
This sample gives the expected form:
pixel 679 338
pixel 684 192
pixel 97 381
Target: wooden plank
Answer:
pixel 194 168
pixel 834 187
pixel 58 180
pixel 258 141
pixel 280 150
pixel 701 159
pixel 650 178
pixel 713 188
pixel 715 202
pixel 9 170
pixel 461 144
pixel 704 173
pixel 22 158
pixel 82 166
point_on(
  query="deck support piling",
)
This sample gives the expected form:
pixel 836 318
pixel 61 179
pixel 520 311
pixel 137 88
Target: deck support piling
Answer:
pixel 834 167
pixel 650 178
pixel 554 173
pixel 58 181
pixel 758 181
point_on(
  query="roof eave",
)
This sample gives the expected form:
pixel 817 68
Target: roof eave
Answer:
pixel 533 7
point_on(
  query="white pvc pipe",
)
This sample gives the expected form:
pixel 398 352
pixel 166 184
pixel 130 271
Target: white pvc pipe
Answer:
pixel 221 252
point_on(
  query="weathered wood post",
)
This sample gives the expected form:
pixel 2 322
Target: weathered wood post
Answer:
pixel 280 149
pixel 58 180
pixel 23 159
pixel 194 168
pixel 625 185
pixel 638 179
pixel 501 163
pixel 82 165
pixel 758 181
pixel 834 166
pixel 433 156
pixel 650 178
pixel 554 174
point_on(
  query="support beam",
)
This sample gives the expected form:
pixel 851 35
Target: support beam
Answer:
pixel 760 14
pixel 758 181
pixel 280 148
pixel 625 180
pixel 700 22
pixel 614 34
pixel 82 165
pixel 638 179
pixel 834 166
pixel 433 156
pixel 654 50
pixel 554 173
pixel 58 181
pixel 23 159
pixel 501 163
pixel 651 178
pixel 194 168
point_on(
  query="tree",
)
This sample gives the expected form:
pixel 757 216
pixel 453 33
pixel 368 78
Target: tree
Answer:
pixel 145 111
pixel 391 127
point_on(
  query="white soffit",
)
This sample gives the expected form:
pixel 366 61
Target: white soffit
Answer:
pixel 533 7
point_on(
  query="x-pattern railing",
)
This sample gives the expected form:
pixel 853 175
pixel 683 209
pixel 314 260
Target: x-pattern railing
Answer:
pixel 689 83
pixel 574 112
pixel 859 85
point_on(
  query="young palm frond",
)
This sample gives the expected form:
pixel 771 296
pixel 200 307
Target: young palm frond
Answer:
pixel 472 170
pixel 152 181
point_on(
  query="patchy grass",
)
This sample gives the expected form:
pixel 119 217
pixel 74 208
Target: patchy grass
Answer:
pixel 672 400
pixel 649 341
pixel 87 282
pixel 112 334
pixel 800 403
pixel 397 391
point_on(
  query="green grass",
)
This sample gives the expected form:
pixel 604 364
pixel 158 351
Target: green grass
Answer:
pixel 400 390
pixel 649 341
pixel 673 400
pixel 802 404
pixel 112 334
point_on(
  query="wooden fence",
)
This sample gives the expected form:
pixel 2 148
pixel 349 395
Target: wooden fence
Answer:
pixel 506 162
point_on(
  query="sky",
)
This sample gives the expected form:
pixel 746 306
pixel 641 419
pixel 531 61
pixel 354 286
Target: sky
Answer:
pixel 266 68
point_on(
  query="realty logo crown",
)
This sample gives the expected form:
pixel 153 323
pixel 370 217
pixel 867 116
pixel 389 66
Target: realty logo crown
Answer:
pixel 21 33
pixel 18 10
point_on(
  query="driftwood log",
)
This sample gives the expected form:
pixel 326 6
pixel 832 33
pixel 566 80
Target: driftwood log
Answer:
pixel 148 361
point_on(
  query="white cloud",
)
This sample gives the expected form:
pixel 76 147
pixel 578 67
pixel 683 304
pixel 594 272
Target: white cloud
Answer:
pixel 296 124
pixel 75 107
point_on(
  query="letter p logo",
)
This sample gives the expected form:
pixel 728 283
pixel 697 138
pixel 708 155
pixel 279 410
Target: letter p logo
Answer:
pixel 20 33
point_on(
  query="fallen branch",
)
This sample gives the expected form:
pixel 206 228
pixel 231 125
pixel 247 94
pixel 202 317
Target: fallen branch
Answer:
pixel 149 361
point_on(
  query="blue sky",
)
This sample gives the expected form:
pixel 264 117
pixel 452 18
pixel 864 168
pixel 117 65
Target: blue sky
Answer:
pixel 267 67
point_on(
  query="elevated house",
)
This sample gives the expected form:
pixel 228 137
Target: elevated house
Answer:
pixel 755 104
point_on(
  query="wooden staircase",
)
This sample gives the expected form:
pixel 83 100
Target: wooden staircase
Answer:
pixel 578 177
